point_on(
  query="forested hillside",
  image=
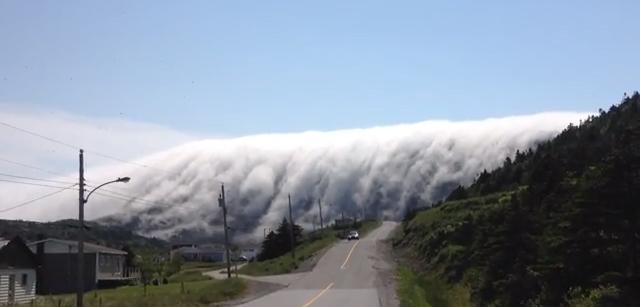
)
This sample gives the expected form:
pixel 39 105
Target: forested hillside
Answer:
pixel 558 225
pixel 112 236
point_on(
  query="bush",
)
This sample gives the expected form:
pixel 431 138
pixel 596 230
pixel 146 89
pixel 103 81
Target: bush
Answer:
pixel 603 296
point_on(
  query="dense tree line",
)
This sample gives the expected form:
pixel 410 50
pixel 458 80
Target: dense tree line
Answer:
pixel 278 242
pixel 554 226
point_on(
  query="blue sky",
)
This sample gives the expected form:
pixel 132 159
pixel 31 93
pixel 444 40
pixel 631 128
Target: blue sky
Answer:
pixel 240 67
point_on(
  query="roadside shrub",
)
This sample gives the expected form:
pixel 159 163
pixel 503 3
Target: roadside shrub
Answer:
pixel 602 296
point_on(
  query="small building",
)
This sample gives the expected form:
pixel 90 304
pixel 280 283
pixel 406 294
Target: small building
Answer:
pixel 204 252
pixel 344 222
pixel 17 272
pixel 58 268
pixel 250 253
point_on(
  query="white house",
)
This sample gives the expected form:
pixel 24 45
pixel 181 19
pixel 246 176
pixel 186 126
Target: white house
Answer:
pixel 204 252
pixel 17 272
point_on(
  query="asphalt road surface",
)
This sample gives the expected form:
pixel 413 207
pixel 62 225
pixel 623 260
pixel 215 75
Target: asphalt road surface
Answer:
pixel 347 275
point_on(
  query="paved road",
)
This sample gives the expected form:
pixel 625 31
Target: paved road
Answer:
pixel 345 276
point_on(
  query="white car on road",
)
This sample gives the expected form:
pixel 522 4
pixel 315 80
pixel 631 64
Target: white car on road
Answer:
pixel 353 235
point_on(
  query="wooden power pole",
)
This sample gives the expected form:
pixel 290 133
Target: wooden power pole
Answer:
pixel 223 204
pixel 291 235
pixel 80 289
pixel 320 208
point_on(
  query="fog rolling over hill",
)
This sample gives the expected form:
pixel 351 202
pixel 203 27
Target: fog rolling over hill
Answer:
pixel 380 171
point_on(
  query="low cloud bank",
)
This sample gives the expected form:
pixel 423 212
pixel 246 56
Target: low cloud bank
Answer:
pixel 374 172
pixel 377 172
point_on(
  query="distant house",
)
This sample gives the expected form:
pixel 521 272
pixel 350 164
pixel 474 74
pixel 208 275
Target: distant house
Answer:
pixel 17 272
pixel 57 273
pixel 204 252
pixel 344 222
pixel 249 252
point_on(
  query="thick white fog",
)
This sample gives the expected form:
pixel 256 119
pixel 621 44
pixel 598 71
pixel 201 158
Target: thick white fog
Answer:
pixel 374 172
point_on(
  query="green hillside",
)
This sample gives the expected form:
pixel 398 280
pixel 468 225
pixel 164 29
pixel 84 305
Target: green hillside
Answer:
pixel 112 236
pixel 555 226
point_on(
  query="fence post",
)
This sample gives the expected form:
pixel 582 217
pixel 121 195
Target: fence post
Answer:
pixel 182 287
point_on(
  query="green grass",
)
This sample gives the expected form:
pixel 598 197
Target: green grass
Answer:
pixel 196 294
pixel 410 292
pixel 189 275
pixel 309 248
pixel 285 263
pixel 206 266
pixel 192 271
pixel 435 239
pixel 429 291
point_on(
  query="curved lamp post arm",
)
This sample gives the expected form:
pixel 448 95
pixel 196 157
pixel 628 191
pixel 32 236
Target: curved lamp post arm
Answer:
pixel 123 179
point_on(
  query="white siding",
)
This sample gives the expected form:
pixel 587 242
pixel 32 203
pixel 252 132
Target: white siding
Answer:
pixel 23 294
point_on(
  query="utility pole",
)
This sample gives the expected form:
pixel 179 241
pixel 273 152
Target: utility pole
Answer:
pixel 80 290
pixel 293 245
pixel 222 203
pixel 320 207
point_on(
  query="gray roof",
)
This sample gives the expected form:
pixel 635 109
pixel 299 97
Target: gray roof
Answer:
pixel 88 247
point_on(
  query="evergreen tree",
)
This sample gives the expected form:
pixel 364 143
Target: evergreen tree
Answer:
pixel 279 242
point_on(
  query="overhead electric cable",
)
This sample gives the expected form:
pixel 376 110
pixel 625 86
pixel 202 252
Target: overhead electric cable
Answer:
pixel 33 167
pixel 127 197
pixel 123 197
pixel 106 156
pixel 36 199
pixel 35 179
pixel 31 183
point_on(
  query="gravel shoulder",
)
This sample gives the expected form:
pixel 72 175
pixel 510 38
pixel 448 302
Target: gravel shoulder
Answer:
pixel 386 282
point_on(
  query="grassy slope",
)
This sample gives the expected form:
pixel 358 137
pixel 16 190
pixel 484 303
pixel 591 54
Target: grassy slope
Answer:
pixel 431 288
pixel 421 290
pixel 192 271
pixel 198 293
pixel 285 264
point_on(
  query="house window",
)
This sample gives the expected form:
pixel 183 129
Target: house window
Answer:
pixel 24 280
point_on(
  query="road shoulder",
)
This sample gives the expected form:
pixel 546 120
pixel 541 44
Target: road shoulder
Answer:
pixel 385 266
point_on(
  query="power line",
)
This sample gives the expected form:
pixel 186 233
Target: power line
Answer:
pixel 36 199
pixel 118 196
pixel 35 179
pixel 31 183
pixel 126 197
pixel 38 135
pixel 33 167
pixel 77 147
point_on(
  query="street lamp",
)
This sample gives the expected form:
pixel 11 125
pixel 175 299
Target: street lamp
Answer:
pixel 120 179
pixel 82 201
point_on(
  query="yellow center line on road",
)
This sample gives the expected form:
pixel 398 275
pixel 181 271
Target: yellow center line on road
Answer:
pixel 349 255
pixel 318 296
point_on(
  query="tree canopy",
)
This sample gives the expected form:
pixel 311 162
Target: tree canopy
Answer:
pixel 279 242
pixel 558 224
